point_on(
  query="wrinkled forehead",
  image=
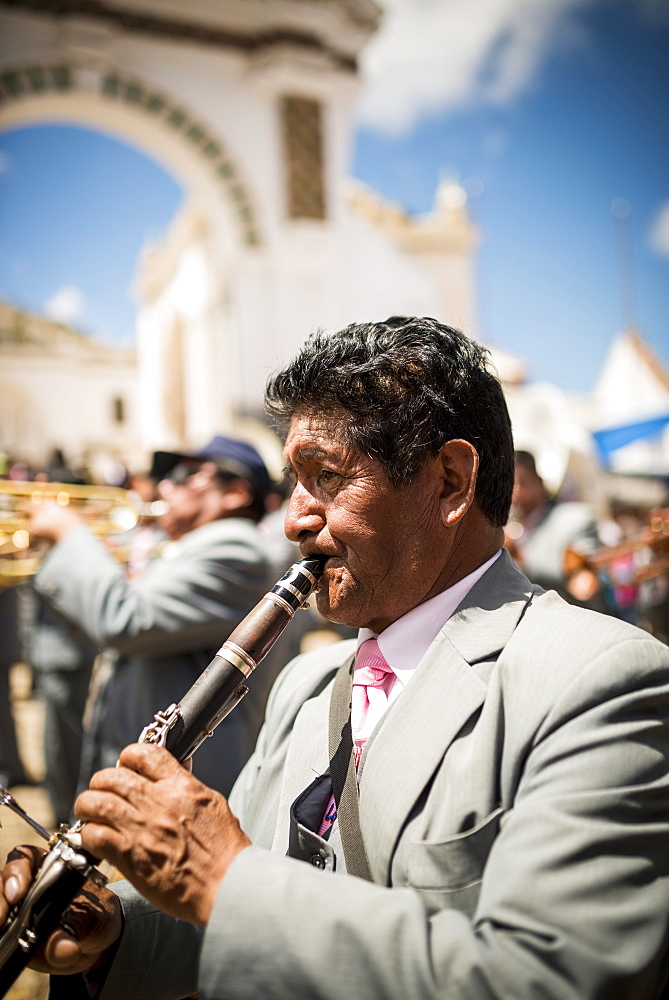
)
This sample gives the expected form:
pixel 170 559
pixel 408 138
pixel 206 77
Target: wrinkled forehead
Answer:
pixel 317 437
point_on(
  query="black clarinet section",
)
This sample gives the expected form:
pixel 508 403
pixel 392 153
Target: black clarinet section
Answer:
pixel 181 728
pixel 221 685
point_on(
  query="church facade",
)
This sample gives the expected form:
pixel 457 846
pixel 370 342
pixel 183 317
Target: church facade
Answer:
pixel 249 104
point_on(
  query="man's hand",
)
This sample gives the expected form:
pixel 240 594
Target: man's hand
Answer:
pixel 50 521
pixel 93 917
pixel 169 834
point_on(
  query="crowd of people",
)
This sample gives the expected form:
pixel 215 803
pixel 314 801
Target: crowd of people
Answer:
pixel 116 629
pixel 606 563
pixel 468 798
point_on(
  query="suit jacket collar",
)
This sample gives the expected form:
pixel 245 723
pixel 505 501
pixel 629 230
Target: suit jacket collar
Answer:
pixel 489 614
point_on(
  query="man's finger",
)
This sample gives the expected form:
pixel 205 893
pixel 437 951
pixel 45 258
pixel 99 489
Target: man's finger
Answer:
pixel 108 808
pixel 62 951
pixel 22 864
pixel 26 853
pixel 151 761
pixel 103 841
pixel 121 781
pixel 89 917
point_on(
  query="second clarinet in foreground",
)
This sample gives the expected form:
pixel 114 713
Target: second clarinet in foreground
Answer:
pixel 181 729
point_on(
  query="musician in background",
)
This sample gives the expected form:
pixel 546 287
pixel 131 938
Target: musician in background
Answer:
pixel 541 530
pixel 511 749
pixel 156 630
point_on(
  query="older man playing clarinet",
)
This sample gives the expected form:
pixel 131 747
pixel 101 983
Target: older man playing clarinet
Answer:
pixel 468 801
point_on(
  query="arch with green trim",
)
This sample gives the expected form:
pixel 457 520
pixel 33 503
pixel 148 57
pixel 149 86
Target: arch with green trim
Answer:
pixel 37 80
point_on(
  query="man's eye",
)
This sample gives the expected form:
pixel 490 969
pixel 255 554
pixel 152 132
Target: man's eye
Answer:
pixel 289 478
pixel 326 476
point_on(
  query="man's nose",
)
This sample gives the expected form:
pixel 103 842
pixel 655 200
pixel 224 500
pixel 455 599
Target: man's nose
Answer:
pixel 303 515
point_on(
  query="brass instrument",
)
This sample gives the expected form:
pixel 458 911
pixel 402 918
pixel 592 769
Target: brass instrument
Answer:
pixel 651 545
pixel 107 510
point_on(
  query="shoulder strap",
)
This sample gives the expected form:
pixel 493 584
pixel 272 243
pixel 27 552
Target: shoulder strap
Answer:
pixel 342 772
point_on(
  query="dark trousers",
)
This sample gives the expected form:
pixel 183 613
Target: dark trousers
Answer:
pixel 12 770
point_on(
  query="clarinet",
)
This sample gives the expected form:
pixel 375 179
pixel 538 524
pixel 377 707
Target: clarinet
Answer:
pixel 181 728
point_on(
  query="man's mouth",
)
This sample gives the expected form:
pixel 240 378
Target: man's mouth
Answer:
pixel 319 554
pixel 332 561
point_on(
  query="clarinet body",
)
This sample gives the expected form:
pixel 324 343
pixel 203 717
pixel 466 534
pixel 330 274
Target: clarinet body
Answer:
pixel 181 728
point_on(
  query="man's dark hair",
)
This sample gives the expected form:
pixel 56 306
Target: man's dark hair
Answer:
pixel 401 389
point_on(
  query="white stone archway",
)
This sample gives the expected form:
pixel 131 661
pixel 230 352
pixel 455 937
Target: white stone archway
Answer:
pixel 141 116
pixel 248 107
pixel 248 103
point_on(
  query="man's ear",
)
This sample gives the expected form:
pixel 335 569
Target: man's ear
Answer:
pixel 458 466
pixel 236 495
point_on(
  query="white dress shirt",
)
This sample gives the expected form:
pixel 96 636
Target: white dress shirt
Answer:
pixel 405 642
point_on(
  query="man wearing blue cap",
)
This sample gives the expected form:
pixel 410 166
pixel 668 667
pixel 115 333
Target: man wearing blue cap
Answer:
pixel 158 631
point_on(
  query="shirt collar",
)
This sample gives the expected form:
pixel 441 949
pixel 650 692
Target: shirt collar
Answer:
pixel 405 642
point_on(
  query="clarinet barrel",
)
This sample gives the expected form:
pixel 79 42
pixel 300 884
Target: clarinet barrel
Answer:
pixel 220 687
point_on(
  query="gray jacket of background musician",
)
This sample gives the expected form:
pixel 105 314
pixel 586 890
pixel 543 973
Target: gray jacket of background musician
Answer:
pixel 161 629
pixel 564 525
pixel 515 805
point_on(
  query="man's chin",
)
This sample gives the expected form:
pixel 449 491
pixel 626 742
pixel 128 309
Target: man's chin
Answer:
pixel 333 609
pixel 339 612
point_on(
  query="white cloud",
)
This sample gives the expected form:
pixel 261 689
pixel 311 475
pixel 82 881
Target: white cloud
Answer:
pixel 432 55
pixel 66 305
pixel 5 162
pixel 659 236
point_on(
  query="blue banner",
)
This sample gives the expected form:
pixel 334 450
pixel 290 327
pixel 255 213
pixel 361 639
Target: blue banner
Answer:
pixel 612 438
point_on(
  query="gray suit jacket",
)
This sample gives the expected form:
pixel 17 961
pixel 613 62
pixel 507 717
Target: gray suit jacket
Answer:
pixel 160 630
pixel 515 806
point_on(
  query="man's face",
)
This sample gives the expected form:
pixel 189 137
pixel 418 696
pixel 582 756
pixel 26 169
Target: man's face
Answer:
pixel 528 491
pixel 385 545
pixel 186 491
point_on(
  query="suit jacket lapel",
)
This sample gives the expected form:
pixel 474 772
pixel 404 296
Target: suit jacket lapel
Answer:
pixel 449 685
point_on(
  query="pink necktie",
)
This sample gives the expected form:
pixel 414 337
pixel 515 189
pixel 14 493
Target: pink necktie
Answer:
pixel 368 697
pixel 368 702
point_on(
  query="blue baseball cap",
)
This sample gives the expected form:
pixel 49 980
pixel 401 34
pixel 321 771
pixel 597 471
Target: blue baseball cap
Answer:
pixel 230 455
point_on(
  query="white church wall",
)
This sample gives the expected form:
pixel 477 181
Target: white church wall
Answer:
pixel 380 279
pixel 631 385
pixel 69 403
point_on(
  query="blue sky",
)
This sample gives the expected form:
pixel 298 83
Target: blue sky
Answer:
pixel 549 112
pixel 75 210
